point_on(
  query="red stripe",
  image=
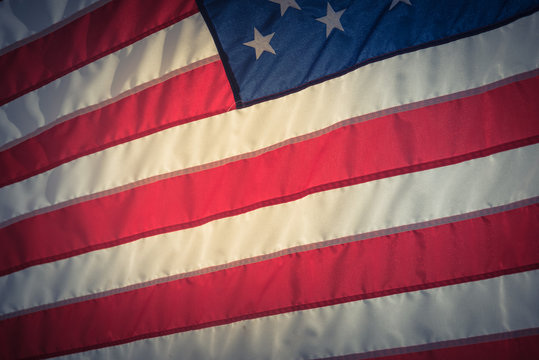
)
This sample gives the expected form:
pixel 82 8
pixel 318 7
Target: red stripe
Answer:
pixel 84 40
pixel 526 347
pixel 416 140
pixel 187 97
pixel 442 255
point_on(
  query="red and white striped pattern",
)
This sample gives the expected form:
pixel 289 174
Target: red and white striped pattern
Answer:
pixel 392 211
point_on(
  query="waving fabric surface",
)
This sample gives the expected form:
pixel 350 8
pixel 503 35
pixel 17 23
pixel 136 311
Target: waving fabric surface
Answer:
pixel 269 179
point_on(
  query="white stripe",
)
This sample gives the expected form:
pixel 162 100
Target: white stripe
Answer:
pixel 109 77
pixel 22 19
pixel 402 200
pixel 486 307
pixel 467 63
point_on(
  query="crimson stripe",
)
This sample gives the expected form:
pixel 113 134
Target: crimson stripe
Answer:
pixel 443 255
pixel 525 347
pixel 416 140
pixel 161 106
pixel 84 40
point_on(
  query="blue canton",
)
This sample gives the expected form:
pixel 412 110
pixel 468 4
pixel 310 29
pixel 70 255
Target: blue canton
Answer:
pixel 273 47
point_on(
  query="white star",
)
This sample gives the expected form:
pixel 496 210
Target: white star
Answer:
pixel 285 4
pixel 395 2
pixel 332 20
pixel 261 43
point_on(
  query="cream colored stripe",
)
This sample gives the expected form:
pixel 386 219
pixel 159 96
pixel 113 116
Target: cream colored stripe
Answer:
pixel 468 63
pixel 24 20
pixel 113 76
pixel 489 182
pixel 498 305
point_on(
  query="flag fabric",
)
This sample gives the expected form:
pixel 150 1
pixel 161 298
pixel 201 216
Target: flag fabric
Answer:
pixel 269 179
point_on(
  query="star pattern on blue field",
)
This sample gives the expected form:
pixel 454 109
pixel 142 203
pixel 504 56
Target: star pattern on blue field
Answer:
pixel 285 4
pixel 395 2
pixel 332 21
pixel 261 43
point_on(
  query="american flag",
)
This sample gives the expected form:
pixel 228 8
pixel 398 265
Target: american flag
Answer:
pixel 269 179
